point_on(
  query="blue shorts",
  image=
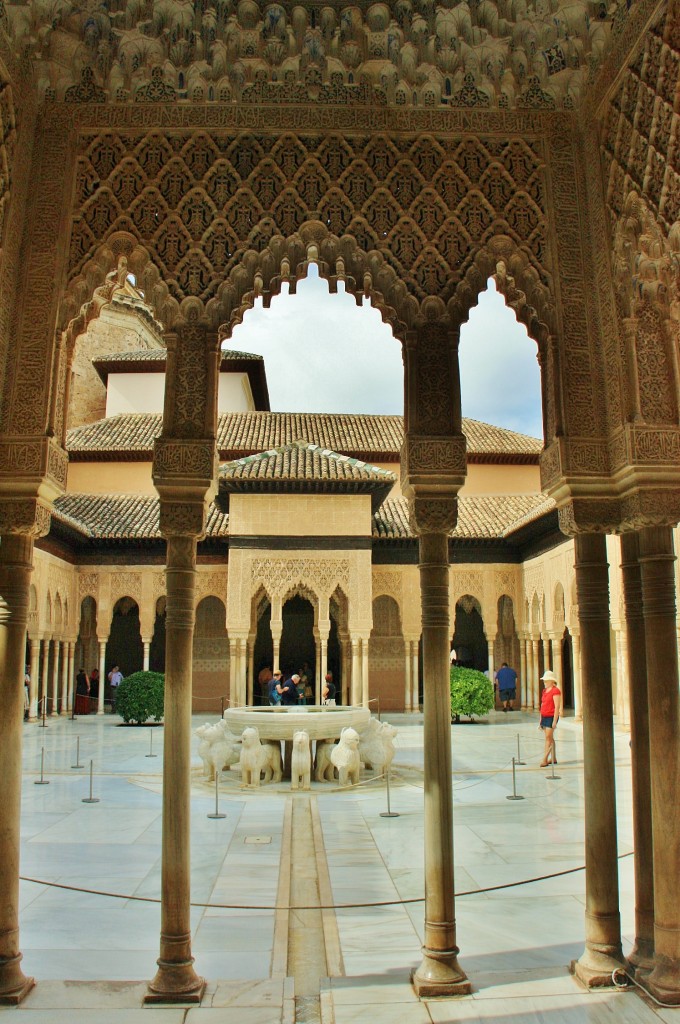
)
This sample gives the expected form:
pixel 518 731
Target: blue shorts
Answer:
pixel 507 694
pixel 547 721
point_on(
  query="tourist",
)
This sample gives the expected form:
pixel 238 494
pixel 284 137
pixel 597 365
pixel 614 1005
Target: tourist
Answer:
pixel 82 705
pixel 27 693
pixel 551 707
pixel 307 684
pixel 289 690
pixel 506 678
pixel 273 687
pixel 264 678
pixel 94 686
pixel 328 692
pixel 115 679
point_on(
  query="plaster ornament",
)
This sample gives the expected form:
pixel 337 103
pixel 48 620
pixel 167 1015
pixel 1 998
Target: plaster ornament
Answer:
pixel 300 766
pixel 217 748
pixel 345 757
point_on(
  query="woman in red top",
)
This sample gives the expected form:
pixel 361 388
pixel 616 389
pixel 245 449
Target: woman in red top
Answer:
pixel 551 709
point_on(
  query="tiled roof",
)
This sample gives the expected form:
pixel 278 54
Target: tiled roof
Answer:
pixel 246 433
pixel 301 467
pixel 303 461
pixel 479 517
pixel 122 517
pixel 160 355
pixel 135 517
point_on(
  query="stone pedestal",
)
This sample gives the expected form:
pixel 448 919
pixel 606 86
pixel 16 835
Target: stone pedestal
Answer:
pixel 657 569
pixel 16 563
pixel 602 953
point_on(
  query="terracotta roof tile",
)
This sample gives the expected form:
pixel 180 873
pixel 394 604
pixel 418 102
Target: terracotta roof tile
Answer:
pixel 479 517
pixel 247 433
pixel 160 355
pixel 122 516
pixel 303 461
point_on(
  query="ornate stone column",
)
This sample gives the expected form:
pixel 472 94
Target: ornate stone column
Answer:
pixel 535 674
pixel 55 679
pixel 42 710
pixel 146 646
pixel 657 561
pixel 276 630
pixel 523 672
pixel 407 676
pixel 364 672
pixel 641 957
pixel 71 675
pixel 490 647
pixel 545 640
pixel 64 678
pixel 556 656
pixel 602 953
pixel 576 670
pixel 433 470
pixel 16 564
pixel 35 674
pixel 324 633
pixel 415 696
pixel 250 677
pixel 355 697
pixel 102 674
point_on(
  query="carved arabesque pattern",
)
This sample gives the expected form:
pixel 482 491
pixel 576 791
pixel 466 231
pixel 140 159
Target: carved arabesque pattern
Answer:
pixel 196 203
pixel 278 576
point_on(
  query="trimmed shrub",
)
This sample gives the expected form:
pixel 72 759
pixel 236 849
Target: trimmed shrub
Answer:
pixel 140 697
pixel 471 693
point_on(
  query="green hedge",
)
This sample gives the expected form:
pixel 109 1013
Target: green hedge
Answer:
pixel 140 697
pixel 471 693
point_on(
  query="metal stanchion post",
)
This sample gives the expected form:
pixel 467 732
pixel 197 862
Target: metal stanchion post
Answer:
pixel 90 799
pixel 519 753
pixel 151 753
pixel 552 775
pixel 222 700
pixel 42 781
pixel 77 764
pixel 514 785
pixel 217 798
pixel 389 813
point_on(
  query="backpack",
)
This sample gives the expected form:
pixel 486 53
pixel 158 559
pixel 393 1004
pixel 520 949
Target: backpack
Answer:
pixel 274 695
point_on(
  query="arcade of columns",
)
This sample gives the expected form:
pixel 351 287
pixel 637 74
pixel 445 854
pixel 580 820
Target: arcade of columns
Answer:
pixel 214 205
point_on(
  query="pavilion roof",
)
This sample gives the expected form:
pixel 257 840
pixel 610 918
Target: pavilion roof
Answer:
pixel 480 517
pixel 130 436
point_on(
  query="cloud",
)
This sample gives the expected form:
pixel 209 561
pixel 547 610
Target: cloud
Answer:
pixel 323 353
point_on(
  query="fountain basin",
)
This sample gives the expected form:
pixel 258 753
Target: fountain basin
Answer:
pixel 320 722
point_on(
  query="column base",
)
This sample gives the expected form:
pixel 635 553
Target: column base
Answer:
pixel 440 976
pixel 594 967
pixel 32 718
pixel 175 983
pixel 641 957
pixel 54 714
pixel 64 713
pixel 663 981
pixel 100 712
pixel 14 985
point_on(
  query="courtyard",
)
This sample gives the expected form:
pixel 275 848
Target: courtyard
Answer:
pixel 520 920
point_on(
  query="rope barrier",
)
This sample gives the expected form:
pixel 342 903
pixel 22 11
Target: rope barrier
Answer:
pixel 323 906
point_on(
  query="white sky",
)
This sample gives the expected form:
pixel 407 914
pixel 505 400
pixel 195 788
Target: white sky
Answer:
pixel 323 353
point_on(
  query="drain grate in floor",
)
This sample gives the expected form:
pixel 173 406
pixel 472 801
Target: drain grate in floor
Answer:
pixel 307 1010
pixel 260 840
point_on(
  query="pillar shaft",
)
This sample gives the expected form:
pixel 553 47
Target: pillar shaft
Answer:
pixel 42 711
pixel 64 677
pixel 16 563
pixel 407 676
pixel 102 677
pixel 602 953
pixel 657 570
pixel 439 972
pixel 523 672
pixel 364 672
pixel 576 671
pixel 176 980
pixel 33 685
pixel 146 645
pixel 535 673
pixel 643 949
pixel 415 696
pixel 355 698
pixel 250 678
pixel 71 659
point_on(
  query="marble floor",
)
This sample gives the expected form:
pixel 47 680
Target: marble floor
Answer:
pixel 516 941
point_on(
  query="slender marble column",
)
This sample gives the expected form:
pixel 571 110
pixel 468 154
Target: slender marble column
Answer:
pixel 622 708
pixel 602 953
pixel 657 569
pixel 535 673
pixel 490 646
pixel 55 679
pixel 345 670
pixel 250 678
pixel 415 700
pixel 641 957
pixel 42 710
pixel 71 675
pixel 355 699
pixel 146 645
pixel 576 671
pixel 556 658
pixel 176 981
pixel 439 973
pixel 523 672
pixel 64 678
pixel 102 675
pixel 407 676
pixel 319 681
pixel 33 685
pixel 364 672
pixel 16 564
pixel 546 653
pixel 276 630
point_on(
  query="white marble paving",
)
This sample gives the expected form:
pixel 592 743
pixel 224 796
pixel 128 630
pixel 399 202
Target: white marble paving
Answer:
pixel 515 943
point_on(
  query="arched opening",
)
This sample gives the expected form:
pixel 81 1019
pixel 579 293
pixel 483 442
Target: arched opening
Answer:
pixel 124 647
pixel 211 651
pixel 506 646
pixel 297 637
pixel 386 661
pixel 495 348
pixel 263 655
pixel 339 658
pixel 469 641
pixel 157 649
pixel 87 646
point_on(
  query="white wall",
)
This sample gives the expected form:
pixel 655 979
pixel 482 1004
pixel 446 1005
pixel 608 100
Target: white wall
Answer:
pixel 144 392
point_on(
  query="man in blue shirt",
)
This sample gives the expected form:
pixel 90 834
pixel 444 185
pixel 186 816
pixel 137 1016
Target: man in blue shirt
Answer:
pixel 289 692
pixel 507 683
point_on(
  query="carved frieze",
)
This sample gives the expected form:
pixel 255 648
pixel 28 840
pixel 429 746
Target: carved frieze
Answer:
pixel 433 515
pixel 24 516
pixel 182 519
pixel 432 455
pixel 184 459
pixel 321 576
